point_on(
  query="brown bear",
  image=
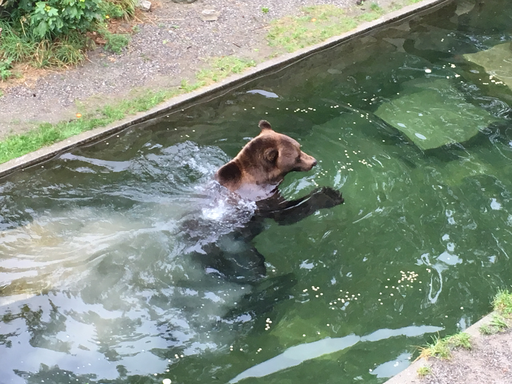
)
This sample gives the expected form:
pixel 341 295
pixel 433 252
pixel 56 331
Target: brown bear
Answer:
pixel 255 174
pixel 263 163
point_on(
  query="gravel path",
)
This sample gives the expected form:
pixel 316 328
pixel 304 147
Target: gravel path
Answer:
pixel 172 44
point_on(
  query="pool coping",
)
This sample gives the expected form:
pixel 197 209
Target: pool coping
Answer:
pixel 212 91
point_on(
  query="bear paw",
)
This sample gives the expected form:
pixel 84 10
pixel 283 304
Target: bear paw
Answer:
pixel 327 197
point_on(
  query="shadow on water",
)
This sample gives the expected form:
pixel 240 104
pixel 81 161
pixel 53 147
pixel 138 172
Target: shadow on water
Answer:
pixel 102 278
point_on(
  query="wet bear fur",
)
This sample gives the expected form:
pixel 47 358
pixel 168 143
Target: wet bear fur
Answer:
pixel 255 174
pixel 263 163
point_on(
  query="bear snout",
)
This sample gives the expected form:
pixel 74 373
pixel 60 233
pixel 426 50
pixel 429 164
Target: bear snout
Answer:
pixel 309 160
pixel 306 163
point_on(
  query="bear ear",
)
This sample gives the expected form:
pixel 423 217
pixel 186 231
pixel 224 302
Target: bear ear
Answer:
pixel 264 124
pixel 271 154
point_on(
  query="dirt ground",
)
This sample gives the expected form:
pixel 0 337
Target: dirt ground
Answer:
pixel 172 43
pixel 489 362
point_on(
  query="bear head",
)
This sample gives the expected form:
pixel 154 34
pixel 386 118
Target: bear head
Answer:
pixel 263 163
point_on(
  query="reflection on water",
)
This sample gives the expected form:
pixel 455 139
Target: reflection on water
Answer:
pixel 99 273
pixel 89 285
pixel 298 354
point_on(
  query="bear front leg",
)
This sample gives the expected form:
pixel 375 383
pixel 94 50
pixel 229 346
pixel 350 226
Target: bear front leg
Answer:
pixel 289 212
pixel 233 258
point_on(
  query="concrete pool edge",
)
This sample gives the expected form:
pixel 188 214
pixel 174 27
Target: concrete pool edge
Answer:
pixel 209 92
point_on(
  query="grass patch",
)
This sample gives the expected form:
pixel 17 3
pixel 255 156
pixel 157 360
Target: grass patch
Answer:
pixel 222 67
pixel 500 321
pixel 424 371
pixel 375 12
pixel 68 50
pixel 502 302
pixel 13 46
pixel 46 134
pixel 442 348
pixel 497 324
pixel 317 24
pixel 487 330
pixel 116 41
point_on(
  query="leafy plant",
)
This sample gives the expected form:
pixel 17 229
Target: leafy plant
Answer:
pixel 116 42
pixel 503 302
pixel 127 7
pixel 424 371
pixel 113 10
pixel 52 18
pixel 441 348
pixel 265 10
pixel 5 67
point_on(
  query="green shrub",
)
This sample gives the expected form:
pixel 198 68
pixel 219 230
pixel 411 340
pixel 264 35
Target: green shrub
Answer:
pixel 116 42
pixel 69 50
pixel 52 18
pixel 118 9
pixel 51 32
pixel 5 66
pixel 57 17
pixel 15 46
pixel 112 10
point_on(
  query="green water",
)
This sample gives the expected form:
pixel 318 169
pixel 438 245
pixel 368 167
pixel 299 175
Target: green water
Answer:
pixel 96 280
